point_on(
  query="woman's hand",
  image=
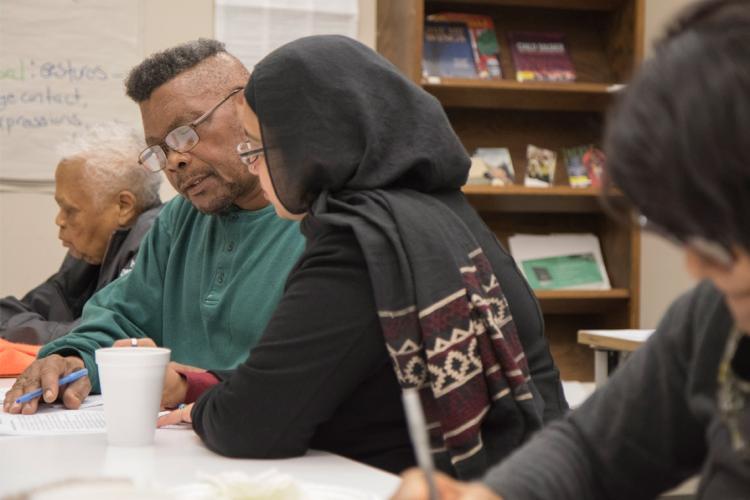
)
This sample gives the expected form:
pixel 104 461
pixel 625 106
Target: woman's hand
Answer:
pixel 175 385
pixel 414 487
pixel 178 416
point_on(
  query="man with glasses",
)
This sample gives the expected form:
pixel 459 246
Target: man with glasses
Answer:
pixel 212 269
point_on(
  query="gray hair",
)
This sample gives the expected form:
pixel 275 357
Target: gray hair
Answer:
pixel 159 68
pixel 110 152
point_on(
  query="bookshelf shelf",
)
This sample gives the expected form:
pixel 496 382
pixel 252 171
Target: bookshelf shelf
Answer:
pixel 516 190
pixel 523 199
pixel 581 302
pixel 510 94
pixel 605 5
pixel 605 43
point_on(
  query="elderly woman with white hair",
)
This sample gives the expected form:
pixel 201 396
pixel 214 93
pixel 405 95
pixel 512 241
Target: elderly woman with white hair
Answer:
pixel 108 202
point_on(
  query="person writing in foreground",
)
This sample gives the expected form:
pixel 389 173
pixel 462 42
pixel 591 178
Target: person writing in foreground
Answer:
pixel 108 202
pixel 401 284
pixel 680 405
pixel 211 271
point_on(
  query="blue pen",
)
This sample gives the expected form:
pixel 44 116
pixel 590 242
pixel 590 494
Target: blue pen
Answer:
pixel 71 377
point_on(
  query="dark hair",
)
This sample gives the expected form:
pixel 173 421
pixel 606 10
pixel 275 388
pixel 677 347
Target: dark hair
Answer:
pixel 677 142
pixel 159 68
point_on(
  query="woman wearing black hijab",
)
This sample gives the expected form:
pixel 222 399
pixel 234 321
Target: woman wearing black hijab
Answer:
pixel 401 284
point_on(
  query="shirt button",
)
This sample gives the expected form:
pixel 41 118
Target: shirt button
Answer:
pixel 220 278
pixel 230 246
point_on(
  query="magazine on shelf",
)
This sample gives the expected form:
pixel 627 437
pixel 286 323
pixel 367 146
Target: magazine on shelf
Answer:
pixel 483 41
pixel 560 261
pixel 498 165
pixel 578 177
pixel 447 50
pixel 584 165
pixel 540 166
pixel 541 57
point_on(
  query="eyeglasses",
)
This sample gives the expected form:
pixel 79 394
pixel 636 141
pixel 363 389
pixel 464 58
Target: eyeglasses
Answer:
pixel 249 154
pixel 182 139
pixel 708 250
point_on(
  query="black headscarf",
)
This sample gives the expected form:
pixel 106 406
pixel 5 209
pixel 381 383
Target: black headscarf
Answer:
pixel 354 143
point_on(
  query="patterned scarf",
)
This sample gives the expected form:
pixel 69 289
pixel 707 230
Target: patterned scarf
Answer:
pixel 445 320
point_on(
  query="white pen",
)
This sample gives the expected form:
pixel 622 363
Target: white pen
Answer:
pixel 420 439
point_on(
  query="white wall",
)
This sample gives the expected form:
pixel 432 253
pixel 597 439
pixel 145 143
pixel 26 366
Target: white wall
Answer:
pixel 663 276
pixel 30 251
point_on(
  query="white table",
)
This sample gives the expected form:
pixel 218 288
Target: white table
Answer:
pixel 176 458
pixel 608 347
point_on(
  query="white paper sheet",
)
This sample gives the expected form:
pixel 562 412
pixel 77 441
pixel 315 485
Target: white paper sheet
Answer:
pixel 54 422
pixel 253 28
pixel 55 419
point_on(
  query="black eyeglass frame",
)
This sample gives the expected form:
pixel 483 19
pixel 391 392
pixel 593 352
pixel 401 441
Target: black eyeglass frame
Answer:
pixel 249 155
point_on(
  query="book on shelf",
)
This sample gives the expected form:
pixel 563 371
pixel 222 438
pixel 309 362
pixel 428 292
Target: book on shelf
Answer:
pixel 478 172
pixel 540 56
pixel 483 41
pixel 593 161
pixel 540 166
pixel 447 50
pixel 560 261
pixel 498 165
pixel 584 165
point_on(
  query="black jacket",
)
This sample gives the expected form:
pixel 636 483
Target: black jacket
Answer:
pixel 654 424
pixel 52 309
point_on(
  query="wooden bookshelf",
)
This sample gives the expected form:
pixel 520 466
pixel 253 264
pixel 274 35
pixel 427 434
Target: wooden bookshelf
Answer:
pixel 509 94
pixel 605 41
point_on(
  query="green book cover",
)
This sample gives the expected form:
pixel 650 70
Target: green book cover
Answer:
pixel 552 273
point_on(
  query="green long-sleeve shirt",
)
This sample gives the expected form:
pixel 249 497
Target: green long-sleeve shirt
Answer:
pixel 203 285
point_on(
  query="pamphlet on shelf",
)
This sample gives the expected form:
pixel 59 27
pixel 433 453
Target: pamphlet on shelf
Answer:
pixel 593 162
pixel 498 165
pixel 560 261
pixel 540 166
pixel 478 172
pixel 578 174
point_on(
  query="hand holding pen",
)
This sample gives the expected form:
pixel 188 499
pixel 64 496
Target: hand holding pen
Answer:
pixel 67 379
pixel 44 375
pixel 424 483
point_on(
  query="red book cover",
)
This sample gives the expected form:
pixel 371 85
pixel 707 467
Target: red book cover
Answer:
pixel 541 57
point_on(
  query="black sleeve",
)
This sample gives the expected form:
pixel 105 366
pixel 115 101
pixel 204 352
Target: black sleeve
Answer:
pixel 51 309
pixel 634 438
pixel 321 342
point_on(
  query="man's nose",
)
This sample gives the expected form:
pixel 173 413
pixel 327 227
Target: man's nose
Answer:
pixel 177 160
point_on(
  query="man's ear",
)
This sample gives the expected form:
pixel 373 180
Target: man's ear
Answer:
pixel 127 208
